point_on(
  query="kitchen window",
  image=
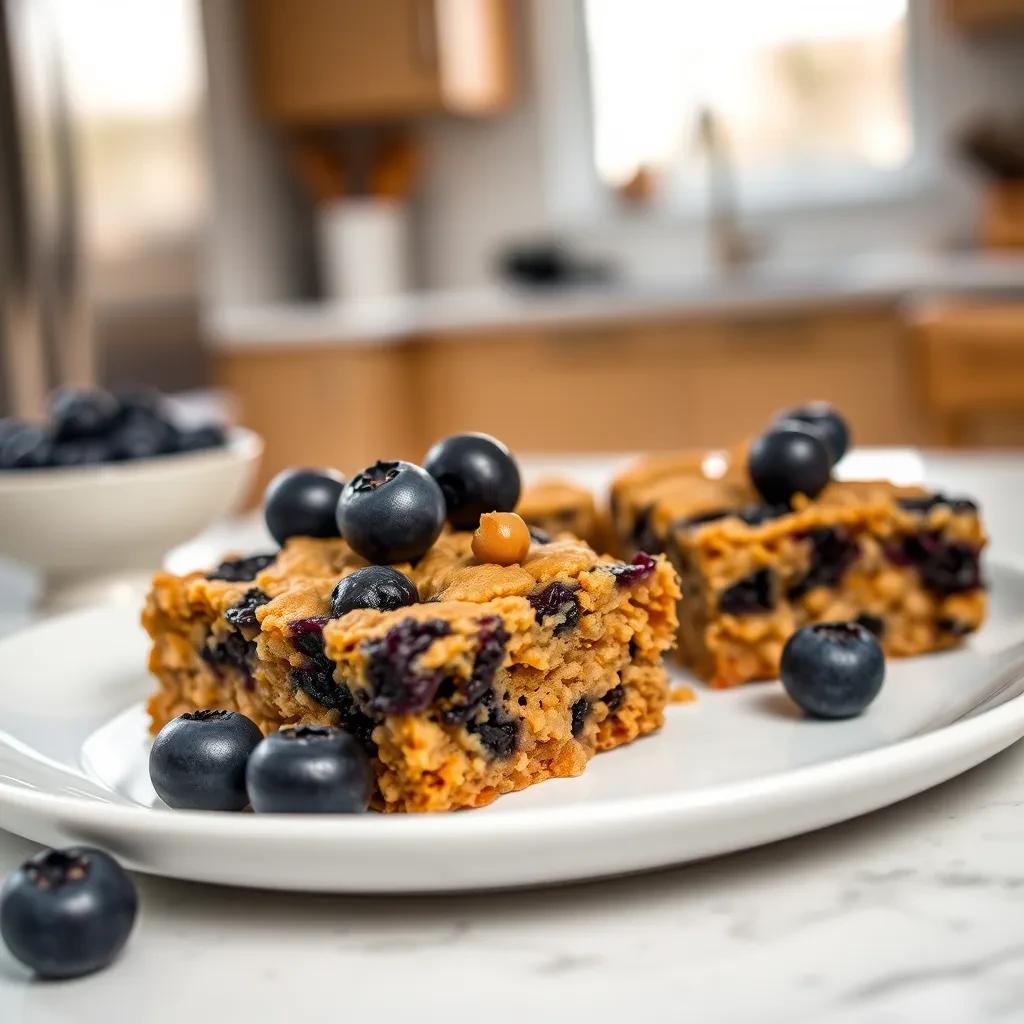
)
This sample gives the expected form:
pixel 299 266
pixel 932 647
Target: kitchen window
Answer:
pixel 810 97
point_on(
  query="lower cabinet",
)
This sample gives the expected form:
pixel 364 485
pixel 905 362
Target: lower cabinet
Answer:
pixel 594 387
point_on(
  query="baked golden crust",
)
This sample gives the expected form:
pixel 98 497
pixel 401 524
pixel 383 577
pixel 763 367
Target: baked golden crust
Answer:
pixel 500 677
pixel 902 559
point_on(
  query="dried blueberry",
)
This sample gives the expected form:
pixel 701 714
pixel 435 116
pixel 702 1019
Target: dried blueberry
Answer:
pixel 923 503
pixel 241 570
pixel 230 650
pixel 578 715
pixel 753 593
pixel 640 568
pixel 243 614
pixel 397 687
pixel 613 698
pixel 490 653
pixel 315 678
pixel 498 733
pixel 554 600
pixel 954 627
pixel 945 567
pixel 874 624
pixel 833 551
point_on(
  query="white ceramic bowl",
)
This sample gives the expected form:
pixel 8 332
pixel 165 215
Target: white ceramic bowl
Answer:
pixel 81 523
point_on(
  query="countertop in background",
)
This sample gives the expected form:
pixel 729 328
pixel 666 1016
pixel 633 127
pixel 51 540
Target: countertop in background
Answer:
pixel 913 913
pixel 764 287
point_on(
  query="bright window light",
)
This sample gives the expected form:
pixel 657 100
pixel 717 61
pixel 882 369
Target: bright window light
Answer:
pixel 801 86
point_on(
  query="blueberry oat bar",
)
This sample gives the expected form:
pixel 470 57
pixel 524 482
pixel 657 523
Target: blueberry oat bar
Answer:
pixel 557 506
pixel 499 677
pixel 902 560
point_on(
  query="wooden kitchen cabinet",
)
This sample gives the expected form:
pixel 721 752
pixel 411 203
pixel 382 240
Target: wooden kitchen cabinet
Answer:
pixel 984 14
pixel 643 386
pixel 316 405
pixel 599 386
pixel 330 61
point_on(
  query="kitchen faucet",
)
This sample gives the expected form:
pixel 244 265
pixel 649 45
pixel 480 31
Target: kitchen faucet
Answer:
pixel 732 246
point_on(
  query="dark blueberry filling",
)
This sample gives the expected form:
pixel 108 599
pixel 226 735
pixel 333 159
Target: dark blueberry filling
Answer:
pixel 945 567
pixel 874 624
pixel 398 688
pixel 833 551
pixel 490 653
pixel 498 733
pixel 241 570
pixel 926 502
pixel 954 627
pixel 243 614
pixel 752 515
pixel 316 678
pixel 578 715
pixel 751 594
pixel 642 535
pixel 613 698
pixel 557 599
pixel 230 651
pixel 639 569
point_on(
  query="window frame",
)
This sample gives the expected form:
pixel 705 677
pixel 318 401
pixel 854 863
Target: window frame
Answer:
pixel 576 196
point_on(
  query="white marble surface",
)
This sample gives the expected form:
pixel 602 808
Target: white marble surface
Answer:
pixel 882 278
pixel 914 913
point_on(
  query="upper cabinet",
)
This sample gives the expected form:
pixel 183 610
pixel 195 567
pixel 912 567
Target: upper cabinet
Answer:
pixel 982 14
pixel 330 61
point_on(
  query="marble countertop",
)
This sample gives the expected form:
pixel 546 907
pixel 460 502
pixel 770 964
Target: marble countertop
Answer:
pixel 891 278
pixel 913 913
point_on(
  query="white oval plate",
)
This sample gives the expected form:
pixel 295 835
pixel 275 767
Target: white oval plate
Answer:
pixel 733 770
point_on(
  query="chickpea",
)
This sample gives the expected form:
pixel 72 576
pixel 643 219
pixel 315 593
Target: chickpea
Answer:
pixel 502 538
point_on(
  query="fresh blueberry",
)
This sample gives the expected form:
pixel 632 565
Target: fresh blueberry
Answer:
pixel 25 446
pixel 391 512
pixel 833 669
pixel 89 451
pixel 302 503
pixel 477 474
pixel 139 401
pixel 789 460
pixel 142 436
pixel 198 760
pixel 309 769
pixel 65 913
pixel 825 419
pixel 198 439
pixel 82 412
pixel 377 586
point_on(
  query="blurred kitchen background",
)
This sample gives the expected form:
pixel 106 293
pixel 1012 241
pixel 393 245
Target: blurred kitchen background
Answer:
pixel 594 225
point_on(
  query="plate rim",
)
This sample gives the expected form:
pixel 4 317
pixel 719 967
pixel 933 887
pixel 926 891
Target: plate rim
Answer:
pixel 654 830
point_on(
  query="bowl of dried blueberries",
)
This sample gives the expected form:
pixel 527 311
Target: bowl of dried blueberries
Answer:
pixel 110 482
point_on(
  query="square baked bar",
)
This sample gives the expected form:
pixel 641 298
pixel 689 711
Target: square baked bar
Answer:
pixel 902 560
pixel 501 677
